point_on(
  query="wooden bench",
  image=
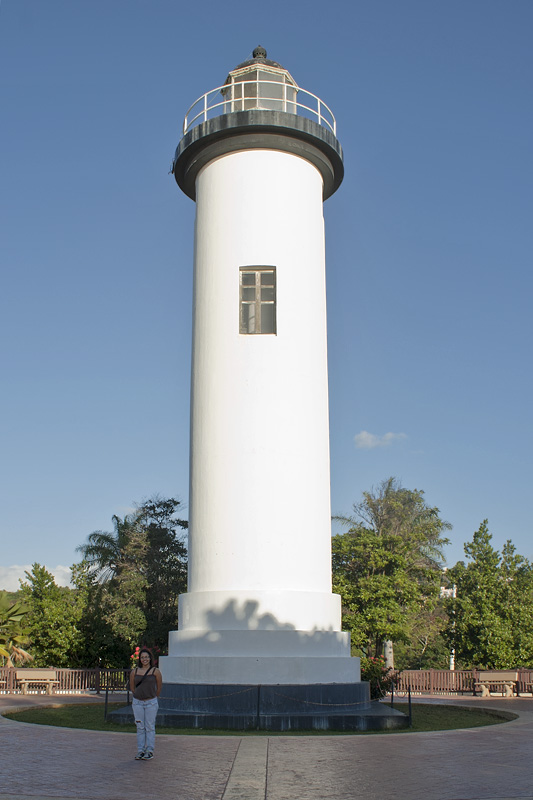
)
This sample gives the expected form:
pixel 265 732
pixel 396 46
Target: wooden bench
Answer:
pixel 28 677
pixel 504 681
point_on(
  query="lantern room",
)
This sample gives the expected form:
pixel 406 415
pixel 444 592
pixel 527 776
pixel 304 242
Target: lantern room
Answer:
pixel 260 83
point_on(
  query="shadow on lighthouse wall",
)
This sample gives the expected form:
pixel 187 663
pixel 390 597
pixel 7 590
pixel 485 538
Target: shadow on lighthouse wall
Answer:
pixel 238 629
pixel 238 615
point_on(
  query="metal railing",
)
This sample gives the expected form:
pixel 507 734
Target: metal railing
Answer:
pixel 262 95
pixel 69 681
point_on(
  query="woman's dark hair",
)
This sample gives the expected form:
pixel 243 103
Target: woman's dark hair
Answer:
pixel 145 650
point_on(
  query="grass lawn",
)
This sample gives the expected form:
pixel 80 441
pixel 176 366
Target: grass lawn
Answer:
pixel 425 718
pixel 429 717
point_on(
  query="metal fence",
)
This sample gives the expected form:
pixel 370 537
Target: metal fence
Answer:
pixel 69 681
pixel 266 95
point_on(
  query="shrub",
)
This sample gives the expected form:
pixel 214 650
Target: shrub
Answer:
pixel 379 676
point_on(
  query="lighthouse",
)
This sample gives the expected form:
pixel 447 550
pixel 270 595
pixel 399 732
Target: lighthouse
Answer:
pixel 258 156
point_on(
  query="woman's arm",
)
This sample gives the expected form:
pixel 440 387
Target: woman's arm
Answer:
pixel 159 681
pixel 132 680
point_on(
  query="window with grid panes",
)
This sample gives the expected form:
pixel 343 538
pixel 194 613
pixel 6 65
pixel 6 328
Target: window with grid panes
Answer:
pixel 257 300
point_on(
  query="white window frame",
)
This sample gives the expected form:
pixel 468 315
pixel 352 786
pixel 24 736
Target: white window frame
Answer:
pixel 257 302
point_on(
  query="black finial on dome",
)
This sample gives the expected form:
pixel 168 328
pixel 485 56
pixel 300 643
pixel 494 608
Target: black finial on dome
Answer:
pixel 259 52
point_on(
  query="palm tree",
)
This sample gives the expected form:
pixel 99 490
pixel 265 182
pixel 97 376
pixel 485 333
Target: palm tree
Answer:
pixel 13 634
pixel 107 553
pixel 104 551
pixel 140 568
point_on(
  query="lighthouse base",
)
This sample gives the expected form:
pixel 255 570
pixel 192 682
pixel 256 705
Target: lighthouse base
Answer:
pixel 342 707
pixel 255 657
pixel 259 670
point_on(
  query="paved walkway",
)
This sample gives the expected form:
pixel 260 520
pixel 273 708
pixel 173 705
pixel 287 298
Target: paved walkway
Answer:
pixel 492 763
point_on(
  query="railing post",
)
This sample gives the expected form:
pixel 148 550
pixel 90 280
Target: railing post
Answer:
pixel 431 681
pixel 97 680
pixel 522 681
pixel 258 718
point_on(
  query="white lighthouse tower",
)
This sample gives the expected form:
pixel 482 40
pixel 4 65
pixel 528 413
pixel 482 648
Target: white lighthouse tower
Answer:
pixel 259 155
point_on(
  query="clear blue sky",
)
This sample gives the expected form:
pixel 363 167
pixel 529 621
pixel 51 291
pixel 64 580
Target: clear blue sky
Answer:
pixel 429 252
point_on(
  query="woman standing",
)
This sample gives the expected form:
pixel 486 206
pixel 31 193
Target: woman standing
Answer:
pixel 145 683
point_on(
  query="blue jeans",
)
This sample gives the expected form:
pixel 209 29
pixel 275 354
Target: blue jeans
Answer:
pixel 145 712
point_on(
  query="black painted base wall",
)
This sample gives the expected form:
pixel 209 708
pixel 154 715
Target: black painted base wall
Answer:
pixel 331 706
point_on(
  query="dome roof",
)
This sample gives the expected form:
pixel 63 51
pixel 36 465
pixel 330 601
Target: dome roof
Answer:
pixel 259 58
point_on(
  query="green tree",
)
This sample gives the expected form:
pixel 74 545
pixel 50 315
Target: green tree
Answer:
pixel 103 551
pixel 115 582
pixel 53 616
pixel 166 567
pixel 517 602
pixel 99 644
pixel 425 646
pixel 387 566
pixel 491 618
pixel 142 568
pixel 13 631
pixel 124 601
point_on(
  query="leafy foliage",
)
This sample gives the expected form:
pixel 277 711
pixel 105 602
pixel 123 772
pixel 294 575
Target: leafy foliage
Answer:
pixel 426 646
pixel 166 566
pixel 491 617
pixel 125 598
pixel 125 592
pixel 53 616
pixel 141 569
pixel 100 645
pixel 13 631
pixel 387 566
pixel 380 677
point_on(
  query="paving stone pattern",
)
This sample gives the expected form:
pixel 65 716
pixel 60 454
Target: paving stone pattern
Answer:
pixel 493 763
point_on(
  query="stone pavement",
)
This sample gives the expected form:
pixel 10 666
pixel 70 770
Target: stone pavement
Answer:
pixel 492 763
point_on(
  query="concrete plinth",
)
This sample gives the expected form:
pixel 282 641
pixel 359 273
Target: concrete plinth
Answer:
pixel 260 655
pixel 253 670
